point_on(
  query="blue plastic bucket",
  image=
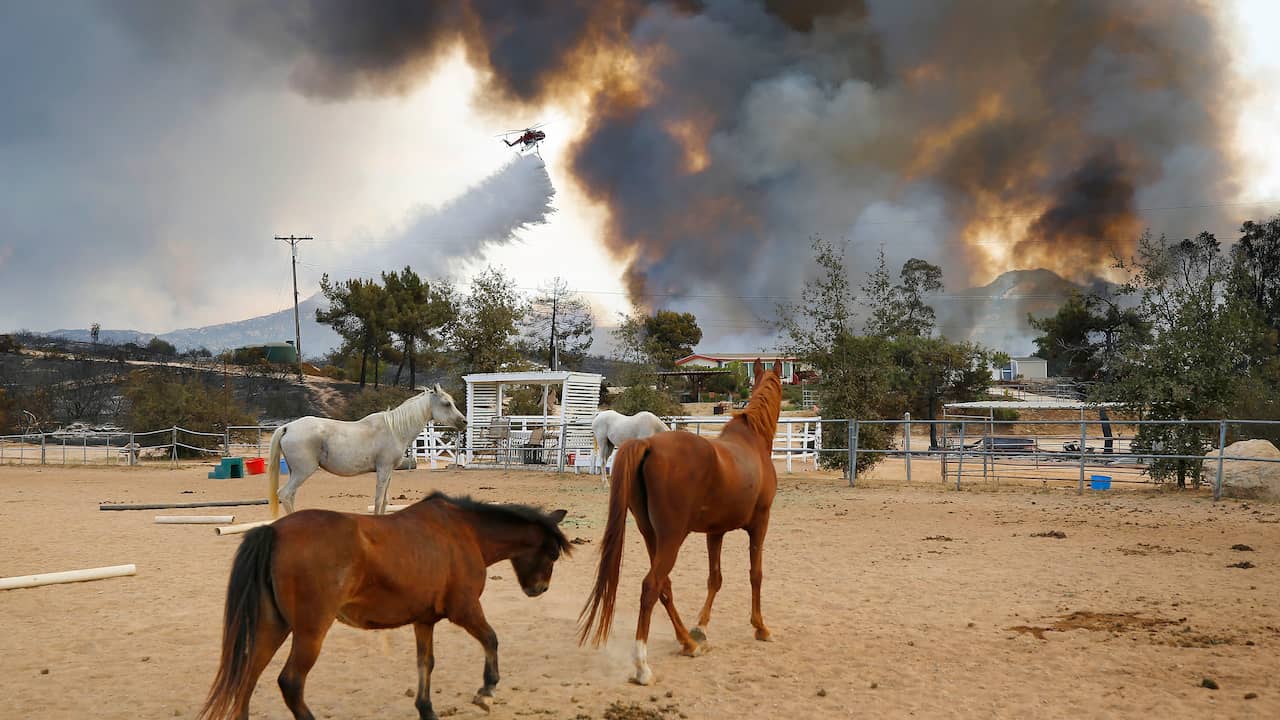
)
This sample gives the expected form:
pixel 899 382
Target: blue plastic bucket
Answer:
pixel 284 467
pixel 1099 482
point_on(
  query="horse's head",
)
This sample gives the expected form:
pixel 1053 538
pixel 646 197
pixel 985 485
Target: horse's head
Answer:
pixel 533 567
pixel 443 411
pixel 759 371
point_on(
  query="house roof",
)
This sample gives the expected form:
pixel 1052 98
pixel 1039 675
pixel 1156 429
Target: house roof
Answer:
pixel 748 357
pixel 532 378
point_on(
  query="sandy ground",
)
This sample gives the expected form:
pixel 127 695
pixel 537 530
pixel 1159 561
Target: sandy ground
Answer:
pixel 886 601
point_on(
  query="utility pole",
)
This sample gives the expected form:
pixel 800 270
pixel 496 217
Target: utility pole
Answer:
pixel 297 325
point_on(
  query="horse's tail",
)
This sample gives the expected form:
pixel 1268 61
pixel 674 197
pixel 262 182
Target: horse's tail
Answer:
pixel 273 471
pixel 249 597
pixel 598 611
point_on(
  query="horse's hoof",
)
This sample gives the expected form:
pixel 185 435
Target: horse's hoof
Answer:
pixel 764 635
pixel 701 648
pixel 643 677
pixel 484 702
pixel 698 635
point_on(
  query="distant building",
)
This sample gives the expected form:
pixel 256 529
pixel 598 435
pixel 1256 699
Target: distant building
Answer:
pixel 792 369
pixel 1022 368
pixel 277 352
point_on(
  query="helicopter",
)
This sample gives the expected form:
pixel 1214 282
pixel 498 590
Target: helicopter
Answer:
pixel 528 138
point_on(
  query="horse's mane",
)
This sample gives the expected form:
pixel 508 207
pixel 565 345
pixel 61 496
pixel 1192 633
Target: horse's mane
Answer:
pixel 509 511
pixel 761 413
pixel 408 419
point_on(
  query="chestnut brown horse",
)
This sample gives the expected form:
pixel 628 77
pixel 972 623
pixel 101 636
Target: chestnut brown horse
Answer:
pixel 676 483
pixel 421 565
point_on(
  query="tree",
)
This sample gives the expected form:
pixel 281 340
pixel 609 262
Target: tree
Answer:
pixel 900 310
pixel 1082 338
pixel 1255 269
pixel 658 339
pixel 419 313
pixel 931 371
pixel 160 398
pixel 916 317
pixel 895 368
pixel 559 323
pixel 94 330
pixel 825 311
pixel 358 312
pixel 487 321
pixel 641 395
pixel 1187 368
pixel 160 347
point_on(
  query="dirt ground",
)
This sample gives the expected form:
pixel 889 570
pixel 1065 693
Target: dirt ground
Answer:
pixel 889 600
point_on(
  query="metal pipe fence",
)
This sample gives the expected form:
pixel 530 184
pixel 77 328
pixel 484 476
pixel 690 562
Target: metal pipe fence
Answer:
pixel 966 448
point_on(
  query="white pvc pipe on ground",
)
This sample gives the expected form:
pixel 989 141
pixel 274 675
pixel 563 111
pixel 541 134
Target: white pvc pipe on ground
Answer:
pixel 242 527
pixel 195 519
pixel 101 573
pixel 390 508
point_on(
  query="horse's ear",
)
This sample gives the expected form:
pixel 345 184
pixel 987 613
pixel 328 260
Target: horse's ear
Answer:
pixel 757 369
pixel 777 368
pixel 558 515
pixel 439 390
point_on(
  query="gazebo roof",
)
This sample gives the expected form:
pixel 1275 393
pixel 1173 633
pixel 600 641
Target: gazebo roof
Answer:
pixel 532 378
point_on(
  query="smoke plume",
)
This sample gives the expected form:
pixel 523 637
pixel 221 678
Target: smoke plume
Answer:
pixel 514 198
pixel 986 135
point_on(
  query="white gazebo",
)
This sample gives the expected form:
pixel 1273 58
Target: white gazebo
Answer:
pixel 570 424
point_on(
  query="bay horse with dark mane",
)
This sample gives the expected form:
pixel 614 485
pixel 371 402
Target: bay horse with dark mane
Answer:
pixel 676 483
pixel 421 565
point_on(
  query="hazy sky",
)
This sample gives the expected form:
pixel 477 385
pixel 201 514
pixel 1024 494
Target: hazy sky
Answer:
pixel 148 156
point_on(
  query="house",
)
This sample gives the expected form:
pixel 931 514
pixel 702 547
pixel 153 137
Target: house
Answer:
pixel 1022 368
pixel 792 368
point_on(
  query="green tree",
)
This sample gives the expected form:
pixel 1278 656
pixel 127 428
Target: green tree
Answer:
pixel 158 398
pixel 825 310
pixel 160 347
pixel 558 326
pixel 371 400
pixel 1081 339
pixel 658 339
pixel 853 372
pixel 420 315
pixel 641 394
pixel 1255 270
pixel 901 310
pixel 929 372
pixel 358 311
pixel 484 335
pixel 1188 367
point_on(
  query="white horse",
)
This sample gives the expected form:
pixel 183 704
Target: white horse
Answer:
pixel 613 428
pixel 376 442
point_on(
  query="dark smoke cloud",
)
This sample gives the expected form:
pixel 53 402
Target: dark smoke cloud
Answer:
pixel 723 133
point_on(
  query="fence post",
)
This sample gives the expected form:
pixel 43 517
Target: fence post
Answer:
pixel 1083 440
pixel 560 448
pixel 133 452
pixel 789 434
pixel 853 454
pixel 42 448
pixel 960 461
pixel 173 461
pixel 84 449
pixel 226 442
pixel 1222 450
pixel 906 442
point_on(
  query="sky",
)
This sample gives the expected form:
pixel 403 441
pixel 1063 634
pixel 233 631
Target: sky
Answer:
pixel 148 157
